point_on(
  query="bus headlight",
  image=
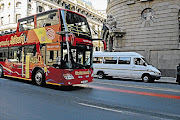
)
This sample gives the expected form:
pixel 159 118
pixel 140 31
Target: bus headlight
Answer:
pixel 68 76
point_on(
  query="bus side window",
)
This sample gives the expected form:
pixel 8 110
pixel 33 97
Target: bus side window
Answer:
pixel 15 54
pixel 43 51
pixel 3 54
pixel 30 50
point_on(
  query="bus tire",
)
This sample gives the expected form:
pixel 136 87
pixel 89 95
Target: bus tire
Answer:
pixel 100 75
pixel 146 78
pixel 39 77
pixel 1 72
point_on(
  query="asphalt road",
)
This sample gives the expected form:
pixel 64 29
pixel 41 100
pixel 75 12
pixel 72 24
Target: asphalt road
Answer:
pixel 101 100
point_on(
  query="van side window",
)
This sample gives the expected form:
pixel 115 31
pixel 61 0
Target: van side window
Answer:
pixel 138 61
pixel 110 60
pixel 97 60
pixel 124 60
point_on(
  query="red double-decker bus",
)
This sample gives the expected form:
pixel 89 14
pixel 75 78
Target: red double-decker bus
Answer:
pixel 53 47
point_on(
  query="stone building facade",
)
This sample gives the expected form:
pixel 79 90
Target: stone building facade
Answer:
pixel 12 10
pixel 149 27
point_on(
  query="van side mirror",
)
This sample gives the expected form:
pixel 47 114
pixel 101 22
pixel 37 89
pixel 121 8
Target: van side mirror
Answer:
pixel 144 64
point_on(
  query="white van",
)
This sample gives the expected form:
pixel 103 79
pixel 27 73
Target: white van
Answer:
pixel 130 65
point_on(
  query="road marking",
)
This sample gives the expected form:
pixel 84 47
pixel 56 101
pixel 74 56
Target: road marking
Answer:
pixel 131 112
pixel 137 92
pixel 93 106
pixel 142 87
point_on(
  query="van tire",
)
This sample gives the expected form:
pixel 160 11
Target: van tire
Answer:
pixel 178 82
pixel 100 75
pixel 147 78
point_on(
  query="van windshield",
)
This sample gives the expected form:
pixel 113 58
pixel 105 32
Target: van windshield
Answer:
pixel 145 61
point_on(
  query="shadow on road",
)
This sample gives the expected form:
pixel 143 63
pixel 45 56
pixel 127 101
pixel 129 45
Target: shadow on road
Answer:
pixel 55 87
pixel 131 80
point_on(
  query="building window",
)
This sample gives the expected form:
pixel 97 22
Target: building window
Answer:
pixel 18 4
pixel 9 19
pixel 147 14
pixel 18 16
pixel 2 20
pixel 2 6
pixel 29 6
pixel 40 9
pixel 58 1
pixel 179 24
pixel 9 5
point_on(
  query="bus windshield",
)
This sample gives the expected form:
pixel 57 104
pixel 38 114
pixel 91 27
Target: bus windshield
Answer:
pixel 76 24
pixel 80 57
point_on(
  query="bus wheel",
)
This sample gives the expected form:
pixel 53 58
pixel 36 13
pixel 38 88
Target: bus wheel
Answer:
pixel 100 75
pixel 39 77
pixel 146 78
pixel 1 71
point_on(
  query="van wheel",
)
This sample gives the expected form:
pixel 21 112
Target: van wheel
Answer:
pixel 39 77
pixel 179 83
pixel 146 78
pixel 100 75
pixel 1 71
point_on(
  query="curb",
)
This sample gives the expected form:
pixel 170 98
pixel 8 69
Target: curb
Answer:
pixel 167 79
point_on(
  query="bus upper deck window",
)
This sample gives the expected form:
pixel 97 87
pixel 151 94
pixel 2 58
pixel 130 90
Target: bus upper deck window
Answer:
pixel 47 19
pixel 26 24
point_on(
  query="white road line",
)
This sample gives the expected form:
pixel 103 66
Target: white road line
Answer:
pixel 142 87
pixel 93 106
pixel 128 112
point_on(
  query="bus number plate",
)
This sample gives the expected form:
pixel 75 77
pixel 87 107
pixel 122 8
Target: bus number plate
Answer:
pixel 84 81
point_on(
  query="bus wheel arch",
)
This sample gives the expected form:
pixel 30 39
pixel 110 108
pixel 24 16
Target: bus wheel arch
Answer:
pixel 1 71
pixel 147 78
pixel 100 75
pixel 38 76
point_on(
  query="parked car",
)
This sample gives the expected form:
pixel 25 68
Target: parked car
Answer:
pixel 129 65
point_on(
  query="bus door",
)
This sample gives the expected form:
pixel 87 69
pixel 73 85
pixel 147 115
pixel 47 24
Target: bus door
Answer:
pixel 51 55
pixel 29 60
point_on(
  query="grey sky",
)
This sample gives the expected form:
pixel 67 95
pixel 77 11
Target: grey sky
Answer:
pixel 99 4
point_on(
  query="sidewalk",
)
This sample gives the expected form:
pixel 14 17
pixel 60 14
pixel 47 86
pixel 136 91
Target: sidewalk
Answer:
pixel 167 79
